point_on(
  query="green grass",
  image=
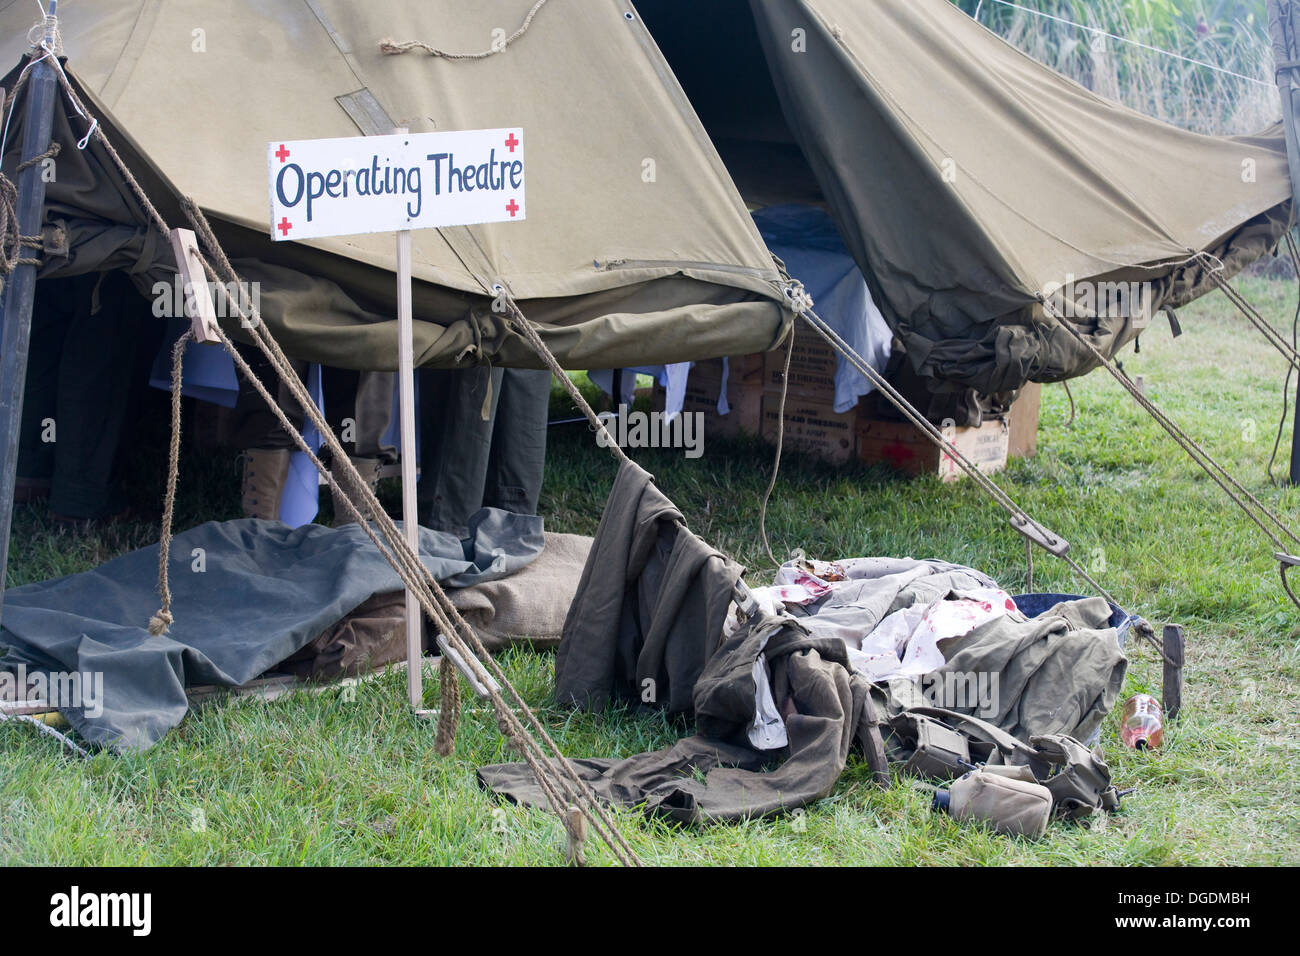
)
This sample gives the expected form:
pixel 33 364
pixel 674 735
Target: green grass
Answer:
pixel 328 780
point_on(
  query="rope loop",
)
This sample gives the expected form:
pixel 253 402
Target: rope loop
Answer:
pixel 162 619
pixel 37 33
pixel 798 298
pixel 390 47
pixel 444 744
pixel 12 241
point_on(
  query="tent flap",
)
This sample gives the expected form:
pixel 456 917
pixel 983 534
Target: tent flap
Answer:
pixel 968 179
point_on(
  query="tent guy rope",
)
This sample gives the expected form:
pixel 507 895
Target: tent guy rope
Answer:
pixel 162 618
pixel 46 729
pixel 1286 382
pixel 391 47
pixel 780 443
pixel 1271 334
pixel 1033 531
pixel 564 788
pixel 1248 503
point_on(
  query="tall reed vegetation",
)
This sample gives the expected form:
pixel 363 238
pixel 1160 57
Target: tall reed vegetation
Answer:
pixel 1231 35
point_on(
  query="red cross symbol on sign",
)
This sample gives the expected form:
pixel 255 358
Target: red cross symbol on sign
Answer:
pixel 282 154
pixel 512 207
pixel 284 225
pixel 510 141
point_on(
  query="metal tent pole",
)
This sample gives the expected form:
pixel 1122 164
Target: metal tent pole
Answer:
pixel 15 333
pixel 1283 21
pixel 1295 438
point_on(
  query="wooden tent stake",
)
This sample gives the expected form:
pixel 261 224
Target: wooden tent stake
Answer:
pixel 1175 645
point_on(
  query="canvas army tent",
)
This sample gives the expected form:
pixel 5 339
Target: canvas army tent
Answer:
pixel 965 177
pixel 617 267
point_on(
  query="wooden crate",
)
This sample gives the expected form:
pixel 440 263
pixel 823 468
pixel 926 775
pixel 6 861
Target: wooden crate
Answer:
pixel 812 367
pixel 811 427
pixel 902 446
pixel 1022 420
pixel 744 394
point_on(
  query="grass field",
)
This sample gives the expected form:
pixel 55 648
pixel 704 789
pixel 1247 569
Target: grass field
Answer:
pixel 327 780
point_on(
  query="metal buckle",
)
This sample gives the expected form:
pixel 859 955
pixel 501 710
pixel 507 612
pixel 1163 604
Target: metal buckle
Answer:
pixel 746 603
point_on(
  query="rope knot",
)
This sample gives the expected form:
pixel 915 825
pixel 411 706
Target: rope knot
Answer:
pixel 798 298
pixel 444 744
pixel 39 33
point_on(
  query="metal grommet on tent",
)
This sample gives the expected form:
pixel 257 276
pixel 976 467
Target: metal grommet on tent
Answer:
pixel 629 15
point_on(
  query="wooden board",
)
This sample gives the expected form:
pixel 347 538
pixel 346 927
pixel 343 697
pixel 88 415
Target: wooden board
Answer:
pixel 198 300
pixel 1023 422
pixel 811 427
pixel 744 395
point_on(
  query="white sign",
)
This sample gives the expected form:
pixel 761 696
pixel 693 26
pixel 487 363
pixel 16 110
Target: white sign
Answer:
pixel 338 187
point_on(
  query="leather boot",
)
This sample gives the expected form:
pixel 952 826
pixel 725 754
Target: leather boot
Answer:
pixel 266 470
pixel 368 468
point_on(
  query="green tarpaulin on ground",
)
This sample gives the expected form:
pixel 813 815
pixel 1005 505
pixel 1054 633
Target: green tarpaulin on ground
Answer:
pixel 266 591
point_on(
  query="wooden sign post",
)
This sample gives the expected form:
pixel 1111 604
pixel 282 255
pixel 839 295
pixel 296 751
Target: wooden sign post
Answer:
pixel 398 183
pixel 410 512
